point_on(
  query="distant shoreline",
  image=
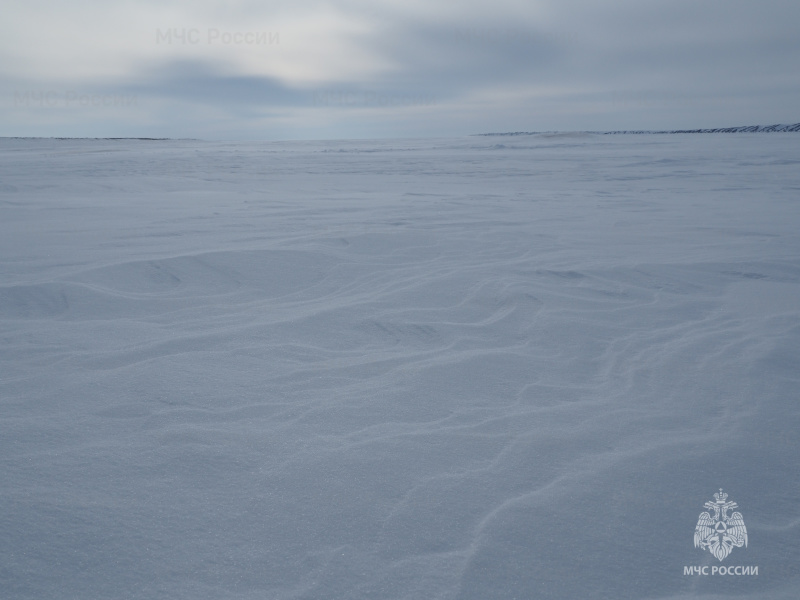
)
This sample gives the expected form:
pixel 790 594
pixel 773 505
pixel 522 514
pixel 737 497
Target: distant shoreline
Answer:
pixel 744 129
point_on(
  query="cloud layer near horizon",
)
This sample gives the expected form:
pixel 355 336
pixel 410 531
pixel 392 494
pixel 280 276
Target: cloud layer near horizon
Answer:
pixel 306 70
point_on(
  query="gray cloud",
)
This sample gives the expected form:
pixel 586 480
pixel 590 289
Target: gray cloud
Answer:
pixel 574 64
pixel 197 82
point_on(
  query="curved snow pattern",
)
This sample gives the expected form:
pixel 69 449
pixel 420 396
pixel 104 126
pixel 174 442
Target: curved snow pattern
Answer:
pixel 396 369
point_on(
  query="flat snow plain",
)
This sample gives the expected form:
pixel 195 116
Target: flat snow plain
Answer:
pixel 474 368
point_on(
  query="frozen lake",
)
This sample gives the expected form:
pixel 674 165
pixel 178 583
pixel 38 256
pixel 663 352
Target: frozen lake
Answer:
pixel 476 368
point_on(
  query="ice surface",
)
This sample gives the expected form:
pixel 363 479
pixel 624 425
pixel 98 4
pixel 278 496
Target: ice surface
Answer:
pixel 455 368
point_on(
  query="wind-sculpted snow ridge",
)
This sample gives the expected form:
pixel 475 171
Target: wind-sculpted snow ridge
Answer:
pixel 432 369
pixel 744 129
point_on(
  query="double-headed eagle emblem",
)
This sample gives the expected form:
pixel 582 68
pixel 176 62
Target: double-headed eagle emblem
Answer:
pixel 721 533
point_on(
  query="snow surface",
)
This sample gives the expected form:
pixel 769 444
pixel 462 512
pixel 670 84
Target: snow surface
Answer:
pixel 397 369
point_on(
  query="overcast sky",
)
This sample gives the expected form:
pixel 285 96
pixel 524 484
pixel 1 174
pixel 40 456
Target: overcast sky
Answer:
pixel 306 69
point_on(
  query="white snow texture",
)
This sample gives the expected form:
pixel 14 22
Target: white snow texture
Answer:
pixel 417 369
